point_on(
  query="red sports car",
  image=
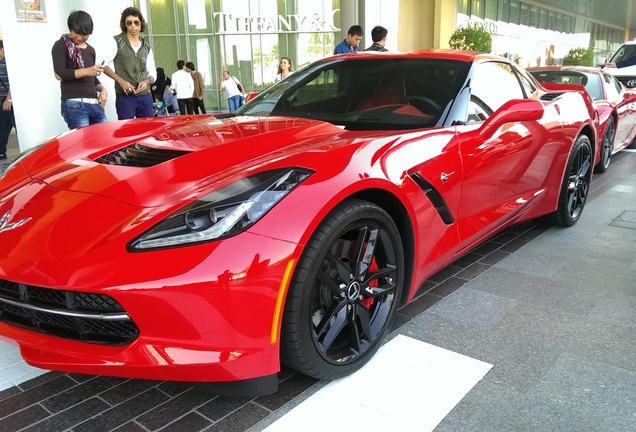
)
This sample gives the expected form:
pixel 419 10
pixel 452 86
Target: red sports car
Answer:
pixel 210 249
pixel 616 105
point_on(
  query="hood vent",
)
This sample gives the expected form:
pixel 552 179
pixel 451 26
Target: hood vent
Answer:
pixel 551 96
pixel 140 156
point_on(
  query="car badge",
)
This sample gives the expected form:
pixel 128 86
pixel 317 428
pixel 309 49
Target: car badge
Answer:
pixel 6 226
pixel 443 177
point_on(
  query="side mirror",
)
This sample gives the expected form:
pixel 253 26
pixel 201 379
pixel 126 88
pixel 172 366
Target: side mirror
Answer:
pixel 250 96
pixel 515 110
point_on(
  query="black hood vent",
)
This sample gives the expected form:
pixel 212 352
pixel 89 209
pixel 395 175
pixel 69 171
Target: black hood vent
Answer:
pixel 140 156
pixel 551 96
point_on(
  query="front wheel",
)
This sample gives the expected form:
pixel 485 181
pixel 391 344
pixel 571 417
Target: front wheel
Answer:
pixel 576 184
pixel 344 293
pixel 607 147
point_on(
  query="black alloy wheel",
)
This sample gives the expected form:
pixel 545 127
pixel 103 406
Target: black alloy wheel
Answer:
pixel 344 293
pixel 576 184
pixel 607 146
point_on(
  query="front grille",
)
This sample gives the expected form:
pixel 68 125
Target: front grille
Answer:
pixel 140 156
pixel 628 81
pixel 86 317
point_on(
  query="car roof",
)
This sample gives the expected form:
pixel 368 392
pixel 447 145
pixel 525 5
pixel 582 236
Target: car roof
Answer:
pixel 589 69
pixel 449 54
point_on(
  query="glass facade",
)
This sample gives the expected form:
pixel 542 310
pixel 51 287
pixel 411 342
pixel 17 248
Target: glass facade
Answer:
pixel 248 37
pixel 245 37
pixel 535 35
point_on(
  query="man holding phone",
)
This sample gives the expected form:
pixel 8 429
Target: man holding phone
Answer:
pixel 83 96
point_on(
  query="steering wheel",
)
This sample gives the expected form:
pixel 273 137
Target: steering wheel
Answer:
pixel 424 102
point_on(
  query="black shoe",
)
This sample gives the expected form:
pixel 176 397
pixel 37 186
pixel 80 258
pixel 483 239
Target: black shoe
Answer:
pixel 3 156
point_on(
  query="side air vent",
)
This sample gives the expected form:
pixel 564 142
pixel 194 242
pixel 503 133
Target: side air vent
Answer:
pixel 435 197
pixel 551 96
pixel 140 156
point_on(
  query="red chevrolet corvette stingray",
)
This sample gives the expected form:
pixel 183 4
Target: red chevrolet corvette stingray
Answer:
pixel 210 249
pixel 616 105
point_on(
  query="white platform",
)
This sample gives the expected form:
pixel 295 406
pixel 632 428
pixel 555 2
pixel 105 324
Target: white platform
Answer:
pixel 407 383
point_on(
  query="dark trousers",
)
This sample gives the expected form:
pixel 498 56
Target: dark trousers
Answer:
pixel 199 106
pixel 185 106
pixel 7 122
pixel 132 106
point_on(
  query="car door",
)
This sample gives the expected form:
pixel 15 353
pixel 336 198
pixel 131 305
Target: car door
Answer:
pixel 615 94
pixel 503 171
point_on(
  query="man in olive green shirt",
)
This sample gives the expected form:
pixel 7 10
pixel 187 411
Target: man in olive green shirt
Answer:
pixel 135 68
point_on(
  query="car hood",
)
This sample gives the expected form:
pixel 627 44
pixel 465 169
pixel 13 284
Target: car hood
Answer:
pixel 153 162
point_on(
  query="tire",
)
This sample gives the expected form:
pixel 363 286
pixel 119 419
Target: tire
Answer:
pixel 607 147
pixel 576 184
pixel 344 293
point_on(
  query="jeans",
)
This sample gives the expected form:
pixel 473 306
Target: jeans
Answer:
pixel 7 122
pixel 235 102
pixel 131 106
pixel 77 114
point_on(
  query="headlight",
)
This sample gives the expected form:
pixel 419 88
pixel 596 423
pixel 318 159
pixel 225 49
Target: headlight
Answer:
pixel 222 213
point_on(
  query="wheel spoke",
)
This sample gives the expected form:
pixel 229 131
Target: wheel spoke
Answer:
pixel 331 325
pixel 358 334
pixel 344 272
pixel 387 275
pixel 336 286
pixel 366 249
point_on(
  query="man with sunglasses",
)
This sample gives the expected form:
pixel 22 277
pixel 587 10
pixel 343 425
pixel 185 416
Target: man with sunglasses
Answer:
pixel 135 69
pixel 83 95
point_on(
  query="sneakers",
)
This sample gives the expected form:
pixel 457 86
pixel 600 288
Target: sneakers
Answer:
pixel 3 156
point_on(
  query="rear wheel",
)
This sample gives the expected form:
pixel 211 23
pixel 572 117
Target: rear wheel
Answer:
pixel 345 292
pixel 607 147
pixel 576 184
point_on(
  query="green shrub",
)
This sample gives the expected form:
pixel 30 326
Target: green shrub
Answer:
pixel 471 37
pixel 579 57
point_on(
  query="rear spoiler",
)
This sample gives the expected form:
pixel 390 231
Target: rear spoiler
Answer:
pixel 560 87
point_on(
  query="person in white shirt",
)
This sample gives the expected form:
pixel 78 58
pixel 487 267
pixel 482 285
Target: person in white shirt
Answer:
pixel 183 86
pixel 231 86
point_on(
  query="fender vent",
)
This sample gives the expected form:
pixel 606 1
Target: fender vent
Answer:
pixel 137 155
pixel 551 96
pixel 435 197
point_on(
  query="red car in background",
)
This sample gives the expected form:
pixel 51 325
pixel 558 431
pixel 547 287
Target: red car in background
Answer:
pixel 213 248
pixel 615 104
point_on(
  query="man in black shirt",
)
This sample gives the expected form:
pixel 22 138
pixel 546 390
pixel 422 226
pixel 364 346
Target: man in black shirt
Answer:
pixel 83 96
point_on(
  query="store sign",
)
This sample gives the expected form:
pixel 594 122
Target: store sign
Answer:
pixel 232 23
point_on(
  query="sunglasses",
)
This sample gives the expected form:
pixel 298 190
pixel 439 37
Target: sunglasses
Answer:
pixel 135 23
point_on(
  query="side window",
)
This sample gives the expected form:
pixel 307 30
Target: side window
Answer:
pixel 527 83
pixel 613 88
pixel 494 84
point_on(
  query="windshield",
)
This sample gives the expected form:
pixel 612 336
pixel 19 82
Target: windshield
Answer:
pixel 369 93
pixel 592 82
pixel 624 52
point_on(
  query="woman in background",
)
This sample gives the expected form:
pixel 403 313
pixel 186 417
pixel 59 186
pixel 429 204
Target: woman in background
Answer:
pixel 159 85
pixel 285 67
